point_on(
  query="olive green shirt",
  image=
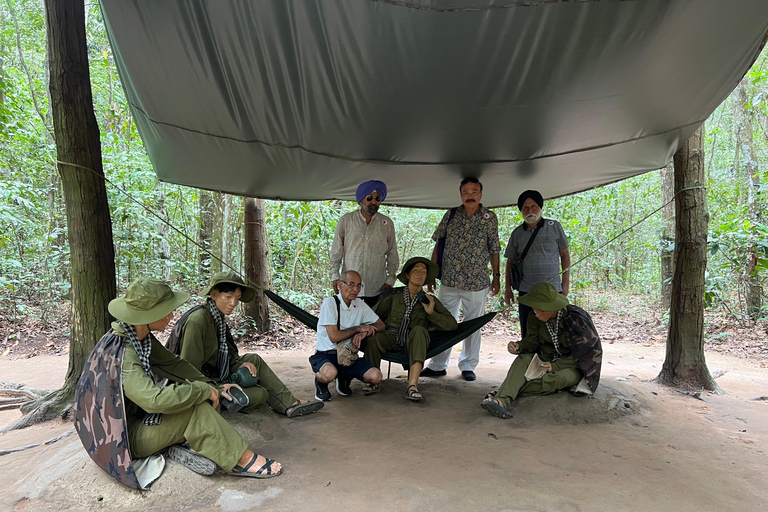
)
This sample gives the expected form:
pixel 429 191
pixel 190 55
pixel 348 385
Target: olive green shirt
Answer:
pixel 200 344
pixel 538 340
pixel 186 388
pixel 391 309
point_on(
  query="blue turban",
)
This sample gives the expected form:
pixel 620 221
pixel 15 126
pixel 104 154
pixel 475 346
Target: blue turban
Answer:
pixel 369 186
pixel 530 194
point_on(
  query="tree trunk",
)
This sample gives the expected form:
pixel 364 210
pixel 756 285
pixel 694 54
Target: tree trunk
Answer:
pixel 205 236
pixel 746 158
pixel 256 260
pixel 667 235
pixel 89 226
pixel 216 233
pixel 227 233
pixel 162 232
pixel 685 365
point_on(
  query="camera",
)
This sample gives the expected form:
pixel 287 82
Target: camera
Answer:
pixel 422 297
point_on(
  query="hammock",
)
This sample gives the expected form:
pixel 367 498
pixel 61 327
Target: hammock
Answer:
pixel 440 340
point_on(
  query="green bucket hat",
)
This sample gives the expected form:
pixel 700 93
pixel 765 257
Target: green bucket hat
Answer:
pixel 544 296
pixel 432 269
pixel 145 301
pixel 231 277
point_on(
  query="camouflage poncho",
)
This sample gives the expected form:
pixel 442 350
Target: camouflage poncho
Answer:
pixel 100 413
pixel 585 344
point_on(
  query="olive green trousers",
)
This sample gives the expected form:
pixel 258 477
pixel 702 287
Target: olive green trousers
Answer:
pixel 201 426
pixel 386 341
pixel 565 374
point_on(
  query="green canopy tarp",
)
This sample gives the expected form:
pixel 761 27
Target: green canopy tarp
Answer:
pixel 301 99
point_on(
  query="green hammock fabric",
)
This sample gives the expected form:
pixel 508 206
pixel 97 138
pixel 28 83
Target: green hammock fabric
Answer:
pixel 440 340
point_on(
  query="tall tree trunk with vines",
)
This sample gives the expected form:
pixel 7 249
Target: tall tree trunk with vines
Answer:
pixel 685 365
pixel 667 235
pixel 89 226
pixel 256 260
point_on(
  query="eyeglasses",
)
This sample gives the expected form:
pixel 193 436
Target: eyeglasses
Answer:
pixel 359 286
pixel 378 199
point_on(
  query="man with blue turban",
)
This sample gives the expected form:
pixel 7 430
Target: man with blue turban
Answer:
pixel 365 242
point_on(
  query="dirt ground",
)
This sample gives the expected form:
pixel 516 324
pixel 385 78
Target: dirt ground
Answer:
pixel 634 446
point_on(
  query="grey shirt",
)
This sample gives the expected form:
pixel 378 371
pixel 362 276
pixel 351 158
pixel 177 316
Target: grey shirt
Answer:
pixel 542 263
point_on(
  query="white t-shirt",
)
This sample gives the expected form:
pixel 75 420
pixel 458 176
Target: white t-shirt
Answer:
pixel 357 313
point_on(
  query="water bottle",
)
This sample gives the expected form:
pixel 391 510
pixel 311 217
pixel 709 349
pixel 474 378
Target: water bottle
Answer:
pixel 243 378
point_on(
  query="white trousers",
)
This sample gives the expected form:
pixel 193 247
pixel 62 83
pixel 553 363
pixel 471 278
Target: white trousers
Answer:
pixel 473 304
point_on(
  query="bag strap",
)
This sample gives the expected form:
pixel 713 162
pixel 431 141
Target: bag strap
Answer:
pixel 338 312
pixel 530 240
pixel 450 218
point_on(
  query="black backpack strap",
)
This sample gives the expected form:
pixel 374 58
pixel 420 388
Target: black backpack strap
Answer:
pixel 338 312
pixel 530 240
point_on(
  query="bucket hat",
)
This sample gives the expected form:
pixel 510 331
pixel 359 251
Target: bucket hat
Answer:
pixel 432 269
pixel 232 278
pixel 146 300
pixel 544 296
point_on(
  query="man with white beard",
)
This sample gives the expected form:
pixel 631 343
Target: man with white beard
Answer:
pixel 544 258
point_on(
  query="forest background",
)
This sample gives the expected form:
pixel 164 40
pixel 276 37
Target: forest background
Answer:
pixel 627 273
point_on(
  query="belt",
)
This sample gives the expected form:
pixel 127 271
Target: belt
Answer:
pixel 332 351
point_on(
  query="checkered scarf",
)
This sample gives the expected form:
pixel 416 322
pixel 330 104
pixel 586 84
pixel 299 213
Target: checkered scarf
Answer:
pixel 402 332
pixel 221 332
pixel 143 349
pixel 553 332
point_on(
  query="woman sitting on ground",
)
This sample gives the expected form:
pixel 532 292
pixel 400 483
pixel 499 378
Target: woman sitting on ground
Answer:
pixel 165 401
pixel 408 313
pixel 205 341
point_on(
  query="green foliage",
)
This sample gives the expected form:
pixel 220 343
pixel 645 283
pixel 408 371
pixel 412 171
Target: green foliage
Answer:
pixel 34 253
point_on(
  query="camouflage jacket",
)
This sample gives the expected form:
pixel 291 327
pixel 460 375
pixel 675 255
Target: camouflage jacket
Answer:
pixel 114 392
pixel 578 338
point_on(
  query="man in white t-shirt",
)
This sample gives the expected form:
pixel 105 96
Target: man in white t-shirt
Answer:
pixel 344 319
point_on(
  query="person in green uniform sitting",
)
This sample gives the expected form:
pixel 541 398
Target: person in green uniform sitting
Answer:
pixel 165 401
pixel 409 313
pixel 561 346
pixel 206 342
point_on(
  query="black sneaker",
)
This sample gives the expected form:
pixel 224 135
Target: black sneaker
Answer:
pixel 321 391
pixel 342 386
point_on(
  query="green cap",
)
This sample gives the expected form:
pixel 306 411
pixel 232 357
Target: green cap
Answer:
pixel 231 277
pixel 432 269
pixel 544 296
pixel 145 301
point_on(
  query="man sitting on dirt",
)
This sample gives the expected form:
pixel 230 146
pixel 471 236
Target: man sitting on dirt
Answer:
pixel 408 312
pixel 560 349
pixel 344 319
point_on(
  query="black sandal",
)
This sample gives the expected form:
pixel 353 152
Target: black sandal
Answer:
pixel 413 394
pixel 264 471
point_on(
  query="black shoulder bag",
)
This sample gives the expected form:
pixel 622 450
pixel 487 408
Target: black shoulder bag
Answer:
pixel 516 270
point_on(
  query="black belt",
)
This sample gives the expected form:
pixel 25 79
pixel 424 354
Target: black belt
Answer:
pixel 332 351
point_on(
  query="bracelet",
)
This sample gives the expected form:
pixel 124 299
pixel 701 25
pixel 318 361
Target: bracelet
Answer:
pixel 496 274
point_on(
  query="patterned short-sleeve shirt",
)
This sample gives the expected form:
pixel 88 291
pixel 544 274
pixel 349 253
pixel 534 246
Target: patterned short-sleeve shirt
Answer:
pixel 469 243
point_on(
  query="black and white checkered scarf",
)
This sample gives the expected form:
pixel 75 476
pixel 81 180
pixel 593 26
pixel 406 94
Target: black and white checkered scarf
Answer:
pixel 143 350
pixel 402 332
pixel 221 334
pixel 553 332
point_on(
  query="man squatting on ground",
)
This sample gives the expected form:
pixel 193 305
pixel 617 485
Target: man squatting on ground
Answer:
pixel 207 344
pixel 365 241
pixel 159 416
pixel 471 234
pixel 566 341
pixel 344 319
pixel 408 319
pixel 547 253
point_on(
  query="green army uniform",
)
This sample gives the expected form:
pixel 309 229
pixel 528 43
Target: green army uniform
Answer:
pixel 200 346
pixel 187 414
pixel 565 372
pixel 391 309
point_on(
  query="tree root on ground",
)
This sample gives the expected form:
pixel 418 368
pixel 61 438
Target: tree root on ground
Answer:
pixel 48 442
pixel 57 404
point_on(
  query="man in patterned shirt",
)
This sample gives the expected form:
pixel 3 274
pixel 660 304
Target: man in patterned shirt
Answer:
pixel 471 234
pixel 365 240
